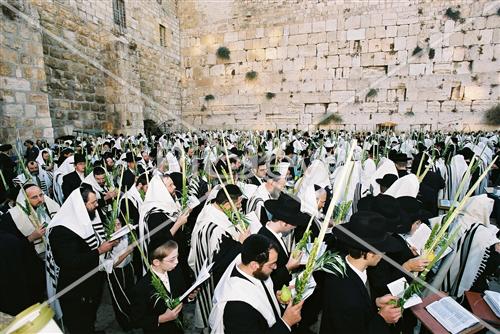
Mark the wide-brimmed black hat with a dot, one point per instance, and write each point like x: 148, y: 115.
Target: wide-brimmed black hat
x: 287, y: 209
x: 234, y: 150
x: 129, y: 157
x: 400, y: 157
x: 5, y: 147
x: 79, y: 158
x: 371, y: 228
x: 387, y: 180
x: 414, y: 209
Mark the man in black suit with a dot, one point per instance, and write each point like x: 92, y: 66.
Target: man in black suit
x: 72, y: 180
x: 245, y: 301
x: 348, y: 306
x: 76, y: 245
x: 286, y: 215
x: 31, y: 150
x: 130, y: 173
x: 260, y: 172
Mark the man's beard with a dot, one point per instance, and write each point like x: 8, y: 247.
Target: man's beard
x: 92, y: 214
x: 258, y: 274
x: 35, y: 173
x: 275, y: 193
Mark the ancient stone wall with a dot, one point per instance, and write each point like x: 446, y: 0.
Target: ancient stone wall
x: 24, y: 106
x: 406, y: 62
x: 99, y: 75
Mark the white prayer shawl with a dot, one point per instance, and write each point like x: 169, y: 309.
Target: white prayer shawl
x: 308, y: 201
x: 317, y: 173
x: 408, y: 185
x: 456, y: 171
x: 90, y: 180
x: 173, y: 164
x: 66, y: 167
x: 74, y: 216
x: 369, y: 169
x: 238, y: 289
x: 158, y: 199
x: 206, y: 237
x: 23, y: 223
x: 257, y: 200
x: 386, y: 166
x: 470, y: 252
x: 134, y: 196
x: 440, y: 167
x: 39, y: 158
x: 351, y: 185
x: 44, y: 177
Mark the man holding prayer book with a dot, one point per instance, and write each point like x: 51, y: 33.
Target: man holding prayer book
x: 348, y: 306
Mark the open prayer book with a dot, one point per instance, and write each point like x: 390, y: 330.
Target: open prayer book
x: 451, y: 315
x: 203, y: 275
x: 492, y: 298
x: 397, y: 289
x: 419, y: 238
x: 122, y: 232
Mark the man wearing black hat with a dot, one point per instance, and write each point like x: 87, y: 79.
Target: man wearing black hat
x: 348, y: 306
x: 285, y: 216
x: 132, y: 169
x: 401, y: 161
x: 73, y: 180
x: 369, y: 202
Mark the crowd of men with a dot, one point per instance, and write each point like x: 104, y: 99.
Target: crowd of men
x: 241, y: 200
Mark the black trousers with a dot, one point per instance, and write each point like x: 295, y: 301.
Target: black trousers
x: 121, y: 281
x: 79, y: 314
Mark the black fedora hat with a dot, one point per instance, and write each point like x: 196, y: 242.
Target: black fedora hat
x: 400, y: 157
x: 79, y: 158
x: 287, y: 209
x: 414, y: 209
x: 387, y: 180
x: 129, y: 157
x: 5, y: 147
x: 371, y: 228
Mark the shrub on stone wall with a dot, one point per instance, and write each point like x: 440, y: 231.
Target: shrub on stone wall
x: 209, y: 97
x: 270, y: 95
x: 453, y: 14
x: 371, y: 93
x: 331, y: 118
x: 251, y: 75
x: 223, y: 53
x: 492, y: 115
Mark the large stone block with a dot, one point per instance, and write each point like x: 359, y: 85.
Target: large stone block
x: 356, y: 34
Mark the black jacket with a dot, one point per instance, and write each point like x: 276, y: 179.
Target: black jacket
x: 145, y: 309
x: 241, y: 318
x: 128, y: 180
x: 75, y: 259
x: 254, y: 180
x: 347, y: 307
x: 280, y: 275
x: 71, y: 181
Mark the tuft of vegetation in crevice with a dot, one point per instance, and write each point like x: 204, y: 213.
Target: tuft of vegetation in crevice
x: 251, y: 75
x: 209, y: 97
x: 223, y: 53
x: 452, y: 14
x: 492, y: 115
x: 331, y: 118
x: 270, y: 95
x: 417, y: 51
x: 371, y: 93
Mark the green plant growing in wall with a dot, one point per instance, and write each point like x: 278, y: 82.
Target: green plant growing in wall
x: 371, y: 93
x: 331, y: 118
x: 452, y: 14
x: 409, y: 113
x: 223, y: 53
x: 251, y: 75
x: 492, y: 115
x: 203, y: 108
x: 270, y: 95
x: 209, y: 97
x: 432, y: 53
x: 417, y: 51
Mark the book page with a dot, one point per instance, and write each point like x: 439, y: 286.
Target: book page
x: 203, y: 275
x: 451, y: 315
x: 419, y: 238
